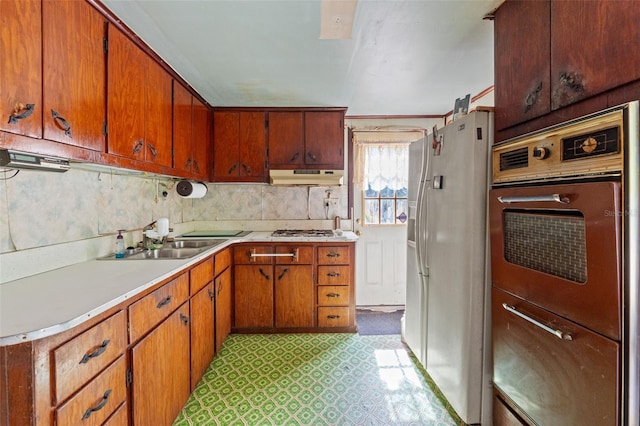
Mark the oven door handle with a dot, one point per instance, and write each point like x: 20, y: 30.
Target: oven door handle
x: 558, y: 333
x: 554, y: 198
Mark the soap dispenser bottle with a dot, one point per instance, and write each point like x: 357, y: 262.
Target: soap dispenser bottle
x: 119, y: 245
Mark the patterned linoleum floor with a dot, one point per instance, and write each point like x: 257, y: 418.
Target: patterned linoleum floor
x: 315, y: 379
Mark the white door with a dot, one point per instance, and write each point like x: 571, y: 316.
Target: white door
x: 381, y: 260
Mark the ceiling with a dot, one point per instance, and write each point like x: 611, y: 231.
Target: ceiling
x: 404, y: 57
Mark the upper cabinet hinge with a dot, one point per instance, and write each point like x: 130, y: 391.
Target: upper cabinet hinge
x: 129, y: 378
x: 105, y: 129
x: 105, y: 45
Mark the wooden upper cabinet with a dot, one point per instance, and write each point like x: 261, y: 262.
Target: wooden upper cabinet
x: 593, y: 44
x: 201, y: 140
x: 139, y: 110
x: 306, y: 139
x: 286, y: 139
x: 74, y: 77
x: 324, y: 139
x: 191, y: 139
x: 239, y: 146
x: 182, y: 127
x: 550, y: 54
x: 21, y: 67
x: 522, y: 62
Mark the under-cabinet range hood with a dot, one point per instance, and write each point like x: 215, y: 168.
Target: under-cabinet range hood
x: 22, y: 160
x: 306, y: 177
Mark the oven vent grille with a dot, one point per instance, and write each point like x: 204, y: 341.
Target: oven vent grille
x: 516, y: 159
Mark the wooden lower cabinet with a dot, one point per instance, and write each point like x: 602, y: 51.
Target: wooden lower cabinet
x: 161, y: 371
x: 202, y: 332
x: 253, y: 296
x: 294, y: 298
x: 223, y: 311
x: 294, y: 287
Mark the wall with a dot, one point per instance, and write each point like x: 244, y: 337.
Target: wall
x: 49, y: 220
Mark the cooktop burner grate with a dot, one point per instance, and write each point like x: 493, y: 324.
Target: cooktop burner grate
x: 302, y: 233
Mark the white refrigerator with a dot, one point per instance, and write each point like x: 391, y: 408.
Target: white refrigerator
x: 447, y: 311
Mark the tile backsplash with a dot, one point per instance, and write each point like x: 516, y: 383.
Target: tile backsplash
x: 74, y: 216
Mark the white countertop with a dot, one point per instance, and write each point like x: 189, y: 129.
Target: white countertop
x: 49, y: 303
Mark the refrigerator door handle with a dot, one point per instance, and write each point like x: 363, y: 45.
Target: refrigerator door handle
x: 421, y: 216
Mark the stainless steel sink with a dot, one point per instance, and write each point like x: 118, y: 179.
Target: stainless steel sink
x: 190, y: 244
x: 169, y: 250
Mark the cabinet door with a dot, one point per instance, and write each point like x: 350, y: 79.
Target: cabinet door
x: 201, y: 140
x: 591, y: 46
x: 160, y: 364
x: 226, y: 150
x: 286, y: 139
x: 223, y: 307
x: 253, y: 296
x: 21, y: 82
x: 125, y: 96
x: 294, y: 295
x: 182, y: 128
x: 158, y: 114
x: 74, y: 73
x: 324, y: 139
x: 522, y: 61
x: 202, y: 332
x: 253, y: 146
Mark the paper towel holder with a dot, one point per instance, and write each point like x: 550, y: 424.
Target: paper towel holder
x: 187, y: 189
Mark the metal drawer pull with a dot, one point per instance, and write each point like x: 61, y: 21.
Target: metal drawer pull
x: 273, y: 254
x: 554, y: 198
x: 333, y: 254
x: 333, y: 274
x: 332, y: 295
x: 558, y: 333
x: 95, y: 353
x: 333, y: 316
x: 100, y: 406
x: 163, y: 302
x: 266, y: 276
x: 284, y: 272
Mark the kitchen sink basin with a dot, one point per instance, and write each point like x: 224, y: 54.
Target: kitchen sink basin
x: 190, y: 244
x: 169, y: 250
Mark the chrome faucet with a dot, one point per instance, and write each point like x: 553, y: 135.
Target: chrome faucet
x: 146, y: 240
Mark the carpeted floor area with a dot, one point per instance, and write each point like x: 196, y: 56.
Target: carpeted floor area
x: 375, y: 322
x: 315, y: 379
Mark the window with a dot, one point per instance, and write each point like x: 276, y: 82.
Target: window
x: 383, y: 176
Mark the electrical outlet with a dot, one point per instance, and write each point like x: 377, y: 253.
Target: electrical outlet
x: 331, y: 202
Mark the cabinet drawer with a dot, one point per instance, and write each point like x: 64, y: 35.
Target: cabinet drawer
x: 154, y: 307
x: 333, y: 317
x: 334, y: 275
x: 333, y: 295
x: 84, y: 356
x: 302, y: 255
x: 333, y: 255
x: 243, y: 254
x: 223, y: 261
x: 118, y: 418
x: 96, y: 401
x: 201, y: 275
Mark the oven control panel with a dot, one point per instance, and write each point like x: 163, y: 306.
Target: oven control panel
x: 589, y: 147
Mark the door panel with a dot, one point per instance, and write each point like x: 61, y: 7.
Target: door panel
x: 21, y: 82
x: 253, y: 296
x: 74, y: 73
x: 566, y: 381
x: 294, y: 296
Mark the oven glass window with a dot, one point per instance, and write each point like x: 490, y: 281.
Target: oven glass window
x: 548, y: 242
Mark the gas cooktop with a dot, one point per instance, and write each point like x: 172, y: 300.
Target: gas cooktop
x: 307, y: 233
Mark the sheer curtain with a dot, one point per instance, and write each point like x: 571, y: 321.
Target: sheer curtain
x: 381, y: 157
x: 381, y: 165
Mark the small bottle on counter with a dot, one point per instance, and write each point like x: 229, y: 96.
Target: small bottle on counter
x: 119, y: 245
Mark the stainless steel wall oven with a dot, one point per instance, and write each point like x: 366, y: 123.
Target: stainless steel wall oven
x: 560, y: 283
